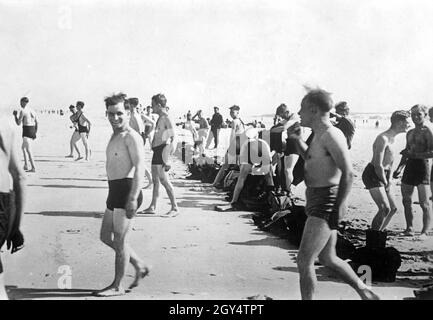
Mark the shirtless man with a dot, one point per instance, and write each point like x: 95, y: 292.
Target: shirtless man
x: 125, y: 159
x: 232, y: 154
x: 83, y: 129
x: 203, y: 130
x: 163, y: 144
x: 377, y: 173
x: 149, y: 121
x: 10, y: 214
x: 137, y: 124
x: 417, y: 163
x: 75, y: 135
x: 328, y: 177
x: 28, y: 119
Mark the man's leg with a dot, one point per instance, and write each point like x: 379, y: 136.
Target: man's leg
x: 209, y: 139
x: 155, y: 192
x: 314, y: 238
x: 379, y: 197
x: 162, y: 174
x: 83, y: 136
x: 221, y: 172
x: 149, y: 177
x: 392, y: 211
x: 289, y: 164
x: 3, y: 294
x: 424, y: 195
x: 328, y: 257
x: 216, y: 137
x: 407, y: 192
x: 244, y: 171
x: 24, y: 148
x: 28, y: 146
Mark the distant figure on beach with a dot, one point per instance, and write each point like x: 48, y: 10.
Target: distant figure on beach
x: 377, y: 173
x: 344, y: 122
x: 83, y: 129
x: 328, y: 177
x: 27, y: 117
x: 215, y: 126
x: 377, y: 124
x: 163, y: 144
x: 149, y: 120
x: 75, y: 134
x: 190, y: 126
x: 12, y: 196
x: 417, y: 169
x: 232, y: 155
x: 125, y: 165
x: 203, y: 130
x: 284, y: 147
x: 137, y: 124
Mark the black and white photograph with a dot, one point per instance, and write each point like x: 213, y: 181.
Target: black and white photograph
x: 216, y: 150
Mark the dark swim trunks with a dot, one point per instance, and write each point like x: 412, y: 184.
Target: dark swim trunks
x: 157, y: 154
x: 29, y: 132
x: 118, y: 193
x: 320, y: 203
x: 416, y: 172
x: 290, y: 147
x: 5, y: 207
x: 370, y: 178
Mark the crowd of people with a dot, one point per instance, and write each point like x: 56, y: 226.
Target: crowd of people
x: 323, y: 159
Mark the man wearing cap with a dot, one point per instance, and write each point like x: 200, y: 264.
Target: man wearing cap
x: 343, y: 122
x: 215, y: 126
x: 232, y: 155
x: 27, y: 117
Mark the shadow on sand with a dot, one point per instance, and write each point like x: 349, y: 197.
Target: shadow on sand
x: 94, y: 214
x: 16, y: 293
x: 66, y: 186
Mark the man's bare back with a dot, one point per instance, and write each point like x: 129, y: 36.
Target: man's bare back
x: 384, y: 140
x: 27, y: 117
x: 320, y: 168
x: 163, y: 131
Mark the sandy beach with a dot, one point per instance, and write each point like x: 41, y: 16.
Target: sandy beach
x: 200, y: 254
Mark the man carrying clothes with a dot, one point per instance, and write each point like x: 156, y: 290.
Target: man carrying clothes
x: 125, y: 160
x: 377, y: 173
x: 83, y: 129
x: 215, y: 125
x: 163, y: 144
x: 343, y: 122
x: 202, y: 131
x: 11, y: 201
x: 328, y: 177
x: 28, y: 119
x: 417, y: 173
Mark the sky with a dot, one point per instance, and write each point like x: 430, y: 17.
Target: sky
x: 376, y: 55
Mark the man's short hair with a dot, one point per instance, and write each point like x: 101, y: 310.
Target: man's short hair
x: 80, y: 104
x: 319, y: 98
x: 235, y: 107
x: 216, y: 108
x: 399, y: 115
x: 115, y: 99
x: 420, y: 107
x: 281, y: 110
x: 71, y: 107
x: 133, y: 102
x: 342, y: 107
x: 25, y: 99
x: 160, y: 99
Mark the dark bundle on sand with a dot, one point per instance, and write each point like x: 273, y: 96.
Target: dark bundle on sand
x: 205, y: 170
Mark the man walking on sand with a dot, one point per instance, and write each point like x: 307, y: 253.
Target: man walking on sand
x: 163, y: 144
x: 328, y: 177
x: 84, y: 125
x: 27, y: 117
x: 215, y: 126
x: 11, y: 201
x: 125, y: 163
x: 377, y: 173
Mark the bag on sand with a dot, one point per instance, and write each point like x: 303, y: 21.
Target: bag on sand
x: 384, y: 262
x: 278, y: 201
x: 208, y: 172
x: 251, y: 195
x: 229, y: 179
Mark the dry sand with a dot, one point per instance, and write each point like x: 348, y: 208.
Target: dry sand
x: 201, y: 254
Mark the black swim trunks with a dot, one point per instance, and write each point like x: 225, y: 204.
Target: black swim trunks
x: 157, y: 154
x: 416, y: 172
x: 118, y: 193
x: 5, y: 207
x: 370, y: 178
x: 29, y: 132
x: 291, y: 147
x: 320, y: 203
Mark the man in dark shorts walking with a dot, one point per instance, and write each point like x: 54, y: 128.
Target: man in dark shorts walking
x: 417, y: 169
x: 328, y: 177
x: 377, y: 173
x: 125, y: 172
x: 11, y: 201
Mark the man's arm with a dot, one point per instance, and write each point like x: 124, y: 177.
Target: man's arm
x: 294, y: 132
x: 18, y: 119
x: 403, y: 160
x: 136, y: 152
x: 378, y: 154
x: 335, y: 144
x: 86, y: 120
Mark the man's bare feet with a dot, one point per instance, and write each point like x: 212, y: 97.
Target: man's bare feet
x: 32, y: 170
x: 69, y: 156
x: 408, y: 233
x: 367, y: 294
x: 26, y: 168
x: 150, y: 210
x: 172, y: 213
x: 110, y: 291
x: 422, y: 237
x: 79, y: 158
x: 139, y: 274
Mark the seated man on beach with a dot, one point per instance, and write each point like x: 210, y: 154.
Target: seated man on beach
x: 75, y: 135
x: 377, y: 173
x: 83, y: 129
x: 11, y: 201
x: 284, y: 147
x: 232, y: 154
x: 163, y: 144
x: 417, y: 169
x: 28, y: 119
x: 255, y: 159
x: 125, y: 164
x: 328, y: 177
